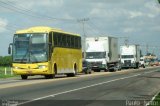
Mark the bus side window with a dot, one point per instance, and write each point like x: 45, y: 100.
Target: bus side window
x: 50, y: 37
x: 79, y: 42
x: 50, y: 44
x: 72, y: 41
x: 67, y: 41
x: 76, y: 42
x: 63, y: 40
x: 55, y: 38
x: 59, y: 39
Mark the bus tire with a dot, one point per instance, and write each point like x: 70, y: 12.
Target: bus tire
x: 24, y: 77
x: 55, y: 68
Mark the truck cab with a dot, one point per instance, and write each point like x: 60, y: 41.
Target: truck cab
x: 130, y: 56
x: 102, y: 53
x: 142, y: 62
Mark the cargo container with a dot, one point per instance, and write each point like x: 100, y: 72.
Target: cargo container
x: 102, y: 53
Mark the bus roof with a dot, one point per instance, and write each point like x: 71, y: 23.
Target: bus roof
x: 42, y: 29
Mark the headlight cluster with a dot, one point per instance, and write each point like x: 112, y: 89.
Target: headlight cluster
x: 39, y: 67
x: 42, y: 66
x: 16, y: 67
x: 103, y: 62
x: 133, y: 61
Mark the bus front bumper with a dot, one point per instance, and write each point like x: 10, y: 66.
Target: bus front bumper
x: 30, y: 71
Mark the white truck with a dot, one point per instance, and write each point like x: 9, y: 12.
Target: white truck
x: 102, y: 53
x: 130, y: 56
x: 142, y: 62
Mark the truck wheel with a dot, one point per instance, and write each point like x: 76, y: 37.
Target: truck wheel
x: 24, y: 77
x: 106, y: 70
x: 111, y: 70
x: 143, y: 66
x: 97, y: 70
x: 89, y: 71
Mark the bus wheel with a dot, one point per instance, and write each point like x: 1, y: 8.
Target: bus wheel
x: 24, y: 77
x: 75, y: 69
x: 55, y: 69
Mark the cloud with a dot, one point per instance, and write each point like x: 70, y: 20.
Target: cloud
x: 33, y: 5
x: 134, y: 14
x: 129, y: 30
x: 152, y: 8
x: 3, y: 25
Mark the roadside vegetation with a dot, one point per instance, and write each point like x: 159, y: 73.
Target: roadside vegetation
x: 5, y: 67
x: 156, y: 101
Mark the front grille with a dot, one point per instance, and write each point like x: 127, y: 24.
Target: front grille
x: 127, y: 62
x: 96, y: 63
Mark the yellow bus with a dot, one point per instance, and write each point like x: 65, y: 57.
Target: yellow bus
x: 46, y: 51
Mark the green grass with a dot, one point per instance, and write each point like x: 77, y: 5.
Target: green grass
x: 8, y: 72
x: 156, y: 101
x: 7, y: 76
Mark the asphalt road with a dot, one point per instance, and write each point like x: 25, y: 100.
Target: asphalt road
x: 125, y: 88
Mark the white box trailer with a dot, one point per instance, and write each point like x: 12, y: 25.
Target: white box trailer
x: 130, y: 56
x: 102, y: 53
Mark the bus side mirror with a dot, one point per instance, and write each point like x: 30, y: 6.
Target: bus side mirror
x: 9, y: 48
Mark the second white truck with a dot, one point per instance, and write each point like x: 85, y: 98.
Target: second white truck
x: 130, y: 56
x: 102, y: 53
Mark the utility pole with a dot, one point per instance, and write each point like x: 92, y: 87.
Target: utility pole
x: 83, y: 21
x: 126, y: 39
x: 147, y: 49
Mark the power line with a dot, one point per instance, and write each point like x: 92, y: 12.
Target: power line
x: 83, y: 21
x: 30, y: 13
x: 95, y: 27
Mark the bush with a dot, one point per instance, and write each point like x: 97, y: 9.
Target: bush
x: 5, y: 61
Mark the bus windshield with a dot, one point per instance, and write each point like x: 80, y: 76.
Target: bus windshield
x: 97, y: 55
x: 30, y: 48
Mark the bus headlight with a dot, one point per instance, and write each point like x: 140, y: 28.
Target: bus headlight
x: 41, y: 66
x: 16, y: 67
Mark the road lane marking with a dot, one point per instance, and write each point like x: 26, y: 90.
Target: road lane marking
x: 56, y: 94
x: 105, y: 82
x: 30, y: 82
x: 152, y: 99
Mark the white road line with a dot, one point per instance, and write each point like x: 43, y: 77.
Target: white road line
x: 152, y: 99
x: 53, y: 95
x: 105, y: 82
x: 151, y: 71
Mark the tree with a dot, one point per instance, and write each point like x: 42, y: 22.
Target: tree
x: 158, y: 1
x: 1, y: 60
x: 5, y: 61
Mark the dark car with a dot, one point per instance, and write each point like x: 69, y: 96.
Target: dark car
x: 86, y: 67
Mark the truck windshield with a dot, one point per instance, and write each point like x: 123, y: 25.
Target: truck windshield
x: 30, y: 47
x: 97, y: 55
x: 127, y: 56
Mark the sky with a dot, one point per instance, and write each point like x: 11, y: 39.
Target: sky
x: 135, y: 20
